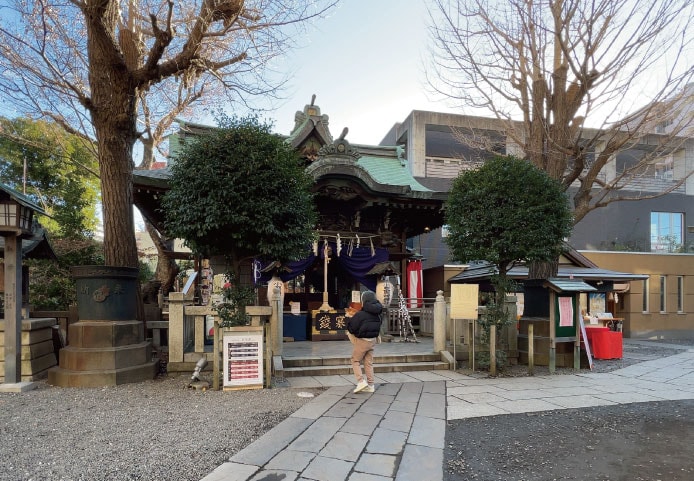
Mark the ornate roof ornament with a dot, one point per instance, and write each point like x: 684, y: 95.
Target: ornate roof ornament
x: 340, y: 148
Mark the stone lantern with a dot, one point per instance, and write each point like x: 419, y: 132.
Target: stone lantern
x: 16, y: 217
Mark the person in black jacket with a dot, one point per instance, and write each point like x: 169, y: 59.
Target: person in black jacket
x: 364, y: 327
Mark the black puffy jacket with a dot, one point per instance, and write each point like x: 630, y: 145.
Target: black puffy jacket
x: 367, y: 322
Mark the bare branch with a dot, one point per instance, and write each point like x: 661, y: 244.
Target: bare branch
x: 547, y: 70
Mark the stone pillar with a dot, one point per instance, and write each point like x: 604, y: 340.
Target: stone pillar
x: 439, y: 322
x: 176, y: 302
x: 13, y: 309
x: 276, y: 320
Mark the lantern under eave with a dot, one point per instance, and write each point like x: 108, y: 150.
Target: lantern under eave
x: 15, y: 217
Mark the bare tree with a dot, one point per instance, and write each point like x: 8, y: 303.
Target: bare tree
x: 547, y: 69
x: 121, y: 71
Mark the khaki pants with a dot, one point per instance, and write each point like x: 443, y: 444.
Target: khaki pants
x: 363, y: 350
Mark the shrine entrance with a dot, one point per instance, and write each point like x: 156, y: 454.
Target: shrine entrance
x: 369, y: 204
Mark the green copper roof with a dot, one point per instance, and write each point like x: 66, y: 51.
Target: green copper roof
x: 390, y: 171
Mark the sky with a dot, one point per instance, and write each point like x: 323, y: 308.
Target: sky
x: 365, y: 65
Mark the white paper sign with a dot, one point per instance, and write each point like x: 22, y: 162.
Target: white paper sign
x: 243, y: 358
x: 464, y: 301
x: 566, y: 311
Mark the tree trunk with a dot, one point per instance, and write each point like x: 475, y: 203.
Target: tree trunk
x: 543, y: 269
x: 113, y: 110
x: 166, y: 269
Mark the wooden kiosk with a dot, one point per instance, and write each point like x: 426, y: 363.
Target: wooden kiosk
x: 565, y: 320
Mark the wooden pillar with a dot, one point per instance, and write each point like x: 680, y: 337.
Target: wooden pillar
x: 13, y: 309
x: 531, y: 349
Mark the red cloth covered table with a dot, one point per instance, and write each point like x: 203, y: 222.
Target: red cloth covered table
x: 605, y: 344
x: 590, y: 330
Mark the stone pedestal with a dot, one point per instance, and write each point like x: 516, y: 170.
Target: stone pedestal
x: 107, y: 346
x: 37, y: 349
x: 104, y: 353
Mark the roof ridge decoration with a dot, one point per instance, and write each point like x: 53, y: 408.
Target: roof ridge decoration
x: 340, y: 148
x: 307, y: 123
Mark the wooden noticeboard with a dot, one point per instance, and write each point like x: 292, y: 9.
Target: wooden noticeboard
x: 565, y: 308
x: 243, y: 357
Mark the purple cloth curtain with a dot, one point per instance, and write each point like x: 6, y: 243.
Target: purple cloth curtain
x: 357, y: 264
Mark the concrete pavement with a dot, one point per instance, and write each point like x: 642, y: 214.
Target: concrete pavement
x: 398, y: 432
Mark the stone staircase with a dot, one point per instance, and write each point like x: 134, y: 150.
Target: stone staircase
x: 341, y: 365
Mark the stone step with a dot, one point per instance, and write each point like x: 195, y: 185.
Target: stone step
x: 57, y: 376
x: 346, y: 369
x: 316, y: 361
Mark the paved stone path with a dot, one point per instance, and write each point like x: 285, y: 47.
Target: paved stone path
x: 398, y: 432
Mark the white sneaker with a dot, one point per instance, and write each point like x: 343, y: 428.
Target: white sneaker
x: 369, y: 388
x: 361, y: 386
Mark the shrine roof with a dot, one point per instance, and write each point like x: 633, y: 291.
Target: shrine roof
x: 390, y: 171
x: 157, y: 178
x: 36, y: 246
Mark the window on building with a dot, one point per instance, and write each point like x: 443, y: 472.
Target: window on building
x: 645, y: 295
x: 663, y: 294
x: 680, y: 294
x: 666, y: 231
x: 664, y: 168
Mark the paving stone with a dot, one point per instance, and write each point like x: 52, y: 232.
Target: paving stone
x: 390, y: 389
x: 421, y: 463
x: 397, y: 421
x: 428, y: 432
x: 404, y: 406
x: 463, y: 410
x: 427, y: 376
x: 380, y: 464
x: 274, y: 475
x: 362, y: 423
x: 267, y: 446
x: 627, y: 397
x: 372, y: 406
x: 344, y: 409
x: 368, y: 477
x: 386, y: 441
x: 231, y: 472
x: 434, y: 387
x: 432, y: 406
x: 379, y: 397
x: 527, y: 405
x: 460, y: 391
x: 395, y: 377
x: 327, y: 469
x: 345, y: 446
x: 290, y: 460
x: 583, y: 401
x: 480, y: 398
x: 317, y: 435
x: 317, y: 407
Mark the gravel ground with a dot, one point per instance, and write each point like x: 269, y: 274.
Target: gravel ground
x: 155, y: 430
x: 633, y: 442
x: 162, y: 430
x: 633, y: 353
